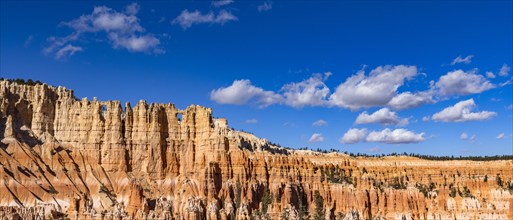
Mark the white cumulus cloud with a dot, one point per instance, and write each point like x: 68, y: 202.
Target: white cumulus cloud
x: 353, y: 135
x: 122, y: 30
x: 242, y: 92
x: 387, y: 136
x: 397, y: 136
x: 501, y: 136
x: 462, y: 112
x: 383, y: 116
x: 459, y: 82
x: 407, y: 100
x: 316, y: 137
x: 309, y: 92
x: 376, y: 89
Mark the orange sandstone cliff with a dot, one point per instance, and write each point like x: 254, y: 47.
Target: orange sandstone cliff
x: 61, y: 157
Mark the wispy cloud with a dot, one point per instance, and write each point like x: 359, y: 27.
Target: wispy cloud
x: 132, y: 9
x: 504, y: 70
x: 122, y: 30
x: 188, y: 18
x: 289, y: 124
x: 219, y: 3
x: 375, y: 149
x: 465, y: 60
x: 28, y: 41
x: 320, y: 123
x: 466, y: 137
x: 66, y: 51
x: 251, y: 121
x: 266, y: 6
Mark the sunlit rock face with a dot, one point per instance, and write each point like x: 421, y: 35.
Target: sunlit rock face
x: 82, y: 159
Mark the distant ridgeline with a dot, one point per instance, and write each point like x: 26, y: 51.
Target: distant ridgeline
x: 426, y: 157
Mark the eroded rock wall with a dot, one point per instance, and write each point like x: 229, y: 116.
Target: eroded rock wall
x: 61, y: 156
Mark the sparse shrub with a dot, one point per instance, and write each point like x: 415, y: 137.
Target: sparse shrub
x: 422, y: 188
x: 396, y: 184
x: 267, y: 199
x: 319, y: 206
x: 465, y: 192
x: 498, y: 180
x: 509, y: 186
x: 303, y: 213
x: 452, y: 191
x: 103, y: 189
x: 238, y: 191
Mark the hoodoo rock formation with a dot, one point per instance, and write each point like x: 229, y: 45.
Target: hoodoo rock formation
x: 81, y: 159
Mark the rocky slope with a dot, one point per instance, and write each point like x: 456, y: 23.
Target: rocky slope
x: 81, y: 159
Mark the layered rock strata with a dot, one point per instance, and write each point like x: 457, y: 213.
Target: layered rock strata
x: 82, y: 159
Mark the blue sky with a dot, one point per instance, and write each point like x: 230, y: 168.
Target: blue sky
x: 418, y: 77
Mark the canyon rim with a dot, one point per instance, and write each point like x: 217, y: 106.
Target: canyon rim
x: 62, y: 157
